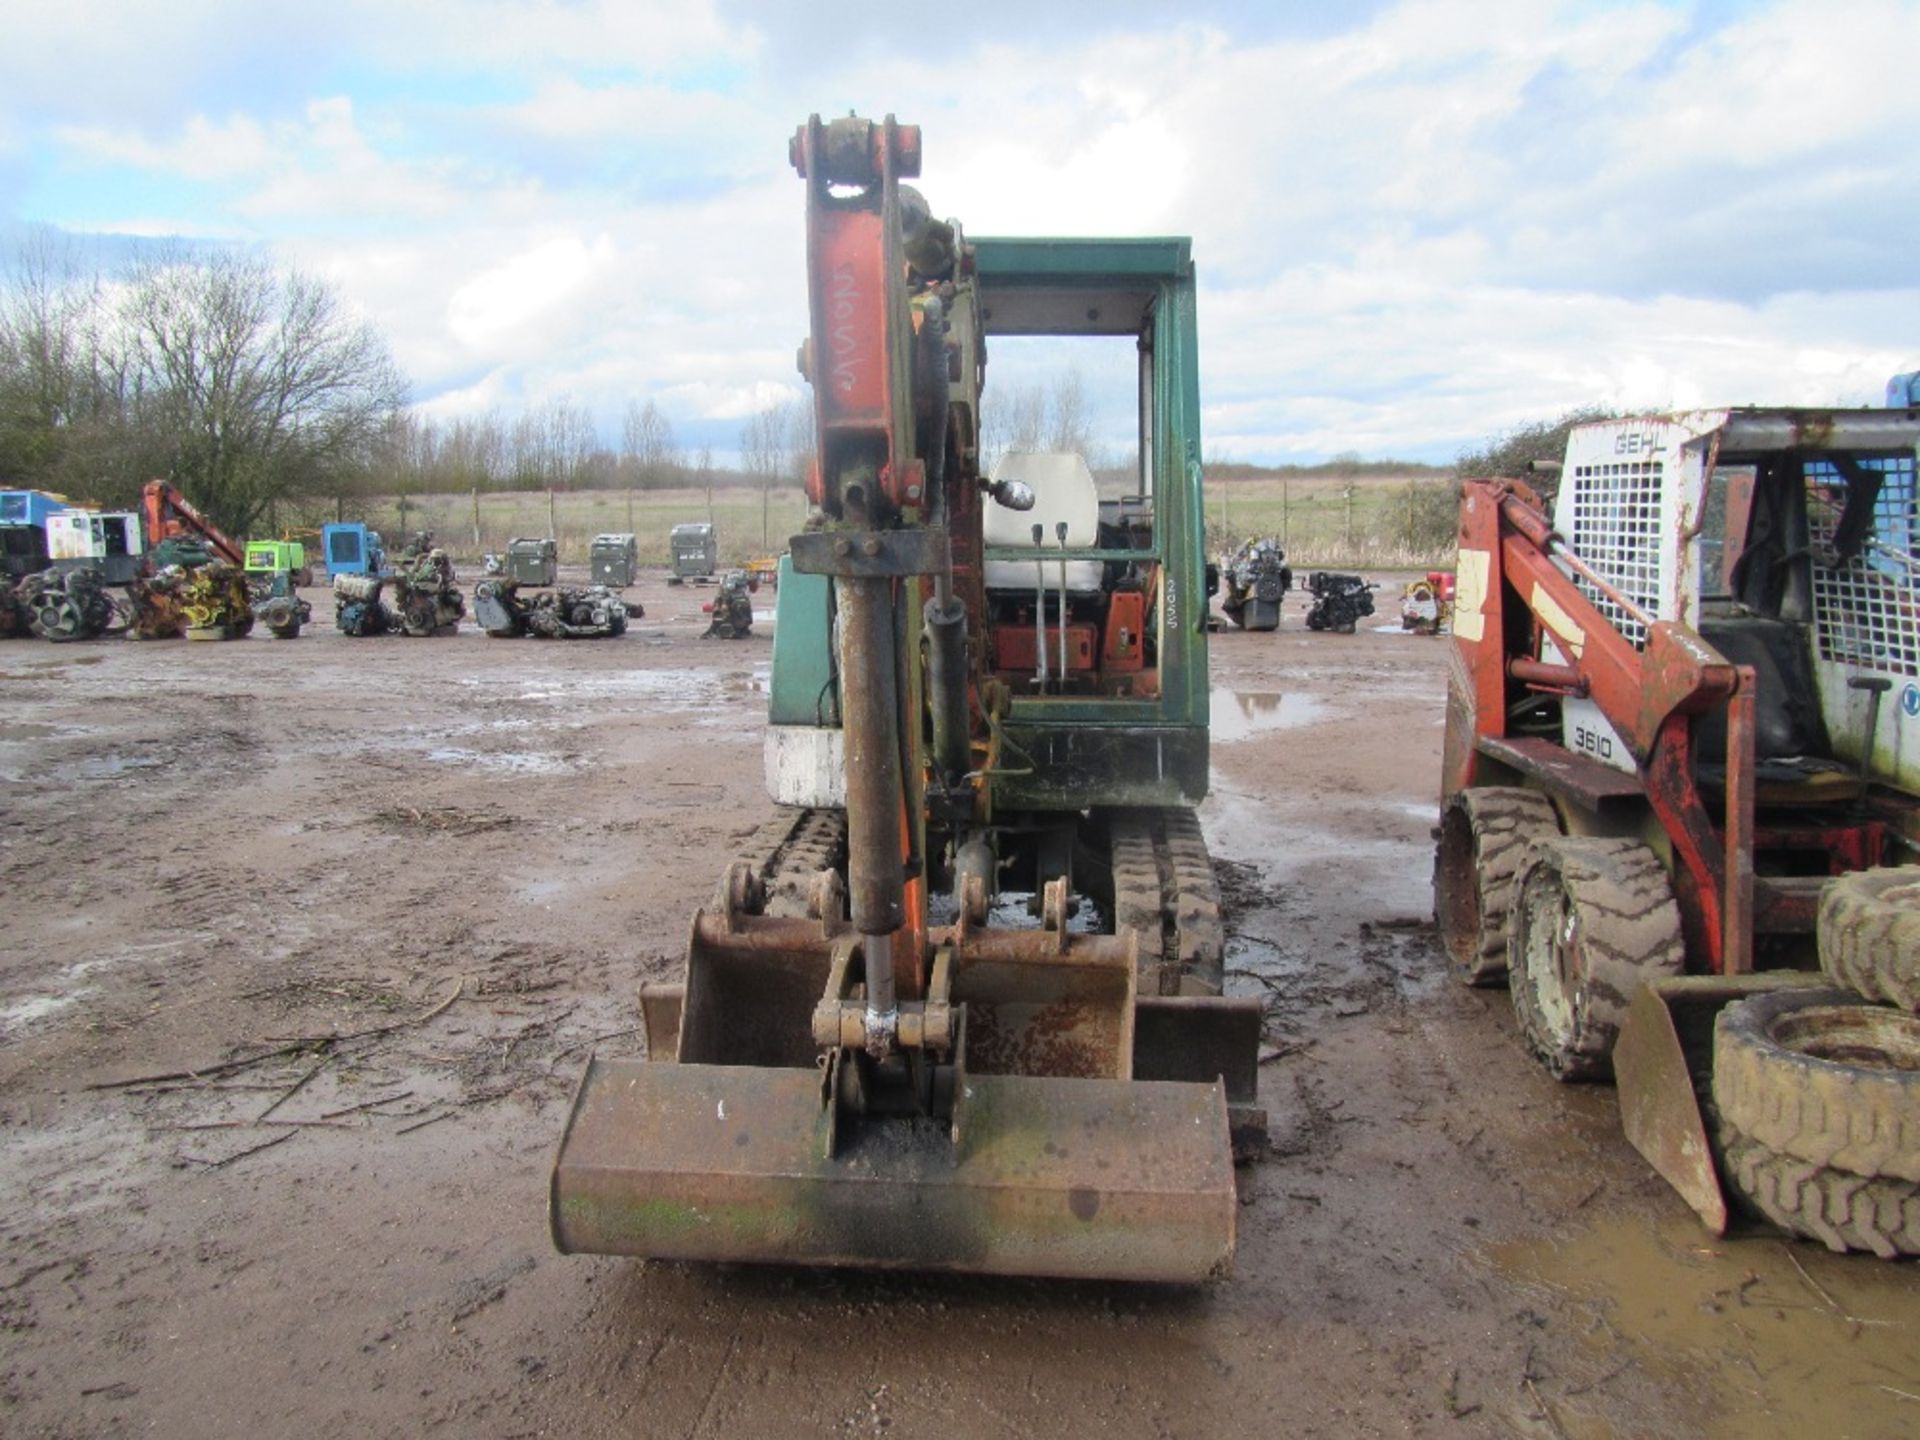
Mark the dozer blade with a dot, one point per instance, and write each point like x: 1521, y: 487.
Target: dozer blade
x: 1666, y: 1042
x: 1093, y: 1179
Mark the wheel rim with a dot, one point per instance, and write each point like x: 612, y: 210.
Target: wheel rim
x: 1549, y: 945
x: 1864, y: 1037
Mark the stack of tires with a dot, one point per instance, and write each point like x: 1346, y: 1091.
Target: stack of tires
x: 1816, y: 1092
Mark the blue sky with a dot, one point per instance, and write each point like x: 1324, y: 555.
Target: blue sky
x: 1415, y: 224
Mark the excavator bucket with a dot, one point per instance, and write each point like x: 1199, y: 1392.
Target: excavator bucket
x: 1663, y: 1062
x: 734, y: 1150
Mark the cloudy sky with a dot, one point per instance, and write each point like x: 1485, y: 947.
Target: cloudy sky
x: 1415, y: 223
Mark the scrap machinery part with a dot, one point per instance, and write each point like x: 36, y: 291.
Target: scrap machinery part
x: 590, y: 612
x: 1340, y: 602
x: 16, y: 618
x: 278, y: 606
x: 68, y: 605
x: 424, y: 598
x: 214, y: 603
x: 154, y: 601
x: 1426, y: 605
x: 357, y: 605
x: 731, y: 608
x: 1257, y: 578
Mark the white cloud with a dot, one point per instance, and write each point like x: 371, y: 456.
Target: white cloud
x: 530, y: 293
x: 1411, y: 229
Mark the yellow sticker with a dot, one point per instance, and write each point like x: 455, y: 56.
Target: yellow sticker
x: 1558, y: 621
x: 1470, y: 594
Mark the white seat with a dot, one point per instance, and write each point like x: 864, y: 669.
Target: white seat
x: 1063, y: 489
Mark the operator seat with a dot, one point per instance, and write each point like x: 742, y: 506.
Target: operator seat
x: 1063, y: 489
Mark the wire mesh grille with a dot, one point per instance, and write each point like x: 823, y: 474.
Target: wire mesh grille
x: 1864, y: 609
x: 1616, y: 530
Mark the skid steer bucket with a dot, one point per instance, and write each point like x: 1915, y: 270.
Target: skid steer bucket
x: 1663, y: 1062
x: 1051, y: 1162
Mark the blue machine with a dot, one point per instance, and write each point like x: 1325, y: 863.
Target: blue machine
x: 352, y: 550
x: 28, y: 507
x: 1903, y: 391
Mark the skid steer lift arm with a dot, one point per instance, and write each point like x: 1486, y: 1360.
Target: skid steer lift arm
x: 863, y: 1087
x: 1518, y: 583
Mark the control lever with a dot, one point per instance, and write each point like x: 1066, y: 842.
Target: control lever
x: 1040, y: 604
x: 1875, y: 686
x: 1060, y: 529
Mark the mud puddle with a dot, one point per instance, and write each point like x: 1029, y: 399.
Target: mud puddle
x: 1241, y: 714
x: 1777, y: 1338
x: 506, y: 762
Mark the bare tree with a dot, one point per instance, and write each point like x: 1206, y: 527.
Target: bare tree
x: 647, y: 446
x: 763, y: 453
x: 552, y: 446
x: 255, y: 383
x: 59, y: 384
x: 1068, y: 426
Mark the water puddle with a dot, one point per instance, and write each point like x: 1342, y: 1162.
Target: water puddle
x: 669, y: 690
x: 29, y: 1011
x: 1773, y: 1337
x: 506, y: 762
x: 1241, y: 714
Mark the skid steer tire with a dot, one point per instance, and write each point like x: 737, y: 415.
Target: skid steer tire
x: 1483, y: 834
x: 1869, y: 933
x: 1841, y: 1210
x: 1592, y: 920
x: 1820, y: 1076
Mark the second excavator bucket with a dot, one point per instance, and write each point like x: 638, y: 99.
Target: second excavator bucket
x: 1049, y: 1161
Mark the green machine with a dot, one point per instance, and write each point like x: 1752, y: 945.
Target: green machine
x: 269, y: 558
x: 960, y: 1004
x: 1123, y: 722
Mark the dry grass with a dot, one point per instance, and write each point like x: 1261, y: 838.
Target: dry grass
x: 1365, y: 521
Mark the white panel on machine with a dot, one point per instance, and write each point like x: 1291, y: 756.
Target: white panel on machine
x: 1063, y: 489
x: 1631, y: 496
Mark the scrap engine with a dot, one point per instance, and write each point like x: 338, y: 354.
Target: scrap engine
x: 1339, y: 601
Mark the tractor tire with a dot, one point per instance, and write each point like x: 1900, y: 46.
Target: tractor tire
x: 1869, y: 932
x: 1591, y: 921
x: 1483, y: 834
x: 1820, y: 1076
x: 1842, y: 1210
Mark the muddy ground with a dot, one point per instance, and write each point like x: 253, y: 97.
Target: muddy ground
x: 452, y: 861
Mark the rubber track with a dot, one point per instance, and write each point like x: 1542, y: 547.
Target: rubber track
x: 791, y: 848
x: 1628, y: 928
x: 1164, y: 888
x: 1869, y: 931
x: 1842, y: 1210
x: 1503, y: 821
x: 1855, y: 1118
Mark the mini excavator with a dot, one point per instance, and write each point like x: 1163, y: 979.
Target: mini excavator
x: 961, y: 1009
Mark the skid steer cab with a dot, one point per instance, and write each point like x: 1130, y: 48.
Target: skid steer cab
x: 960, y: 1006
x: 1679, y: 812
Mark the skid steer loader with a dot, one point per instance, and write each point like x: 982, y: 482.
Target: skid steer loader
x: 1681, y: 766
x: 985, y: 688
